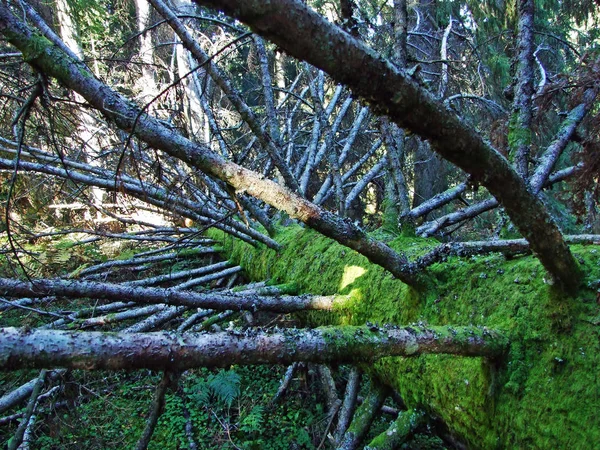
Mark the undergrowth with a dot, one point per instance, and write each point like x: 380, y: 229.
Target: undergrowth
x: 228, y: 409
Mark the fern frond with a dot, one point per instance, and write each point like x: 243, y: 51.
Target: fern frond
x: 225, y: 385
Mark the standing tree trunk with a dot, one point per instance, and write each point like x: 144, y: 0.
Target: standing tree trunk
x: 520, y: 134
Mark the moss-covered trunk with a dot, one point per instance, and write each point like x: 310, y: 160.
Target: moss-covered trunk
x: 546, y: 392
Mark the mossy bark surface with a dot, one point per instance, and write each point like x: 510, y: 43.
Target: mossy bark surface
x: 544, y: 394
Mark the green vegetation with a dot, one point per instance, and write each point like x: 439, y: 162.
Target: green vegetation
x: 544, y: 394
x: 228, y: 409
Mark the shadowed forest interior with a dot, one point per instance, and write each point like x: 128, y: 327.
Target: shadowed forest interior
x: 297, y: 224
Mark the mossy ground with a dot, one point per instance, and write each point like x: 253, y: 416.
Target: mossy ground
x: 544, y: 394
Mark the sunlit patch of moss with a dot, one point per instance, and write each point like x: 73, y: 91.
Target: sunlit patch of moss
x: 544, y: 394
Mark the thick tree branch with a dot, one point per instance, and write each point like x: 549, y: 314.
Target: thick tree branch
x: 363, y: 418
x: 398, y: 431
x: 308, y: 36
x: 349, y: 404
x: 563, y: 137
x: 508, y: 247
x: 173, y: 296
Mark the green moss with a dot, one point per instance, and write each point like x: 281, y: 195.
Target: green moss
x: 544, y: 394
x: 38, y: 49
x: 518, y: 135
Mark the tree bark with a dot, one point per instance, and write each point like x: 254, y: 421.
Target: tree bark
x: 398, y: 431
x: 172, y: 296
x: 24, y: 348
x: 349, y: 404
x: 158, y: 403
x: 520, y: 134
x: 17, y: 439
x: 363, y: 418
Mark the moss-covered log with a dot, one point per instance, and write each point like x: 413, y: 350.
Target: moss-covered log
x: 545, y: 394
x: 398, y: 431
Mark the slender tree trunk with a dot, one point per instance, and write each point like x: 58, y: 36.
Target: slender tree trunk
x: 86, y: 131
x: 147, y: 83
x: 520, y: 133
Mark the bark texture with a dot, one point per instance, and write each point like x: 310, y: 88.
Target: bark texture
x: 173, y: 296
x: 520, y: 135
x: 22, y: 348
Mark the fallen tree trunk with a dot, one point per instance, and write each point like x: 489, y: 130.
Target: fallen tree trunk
x: 21, y: 348
x: 171, y: 296
x: 306, y: 35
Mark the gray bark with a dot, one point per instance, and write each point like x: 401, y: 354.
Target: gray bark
x: 563, y: 137
x: 437, y: 201
x: 151, y: 194
x: 285, y: 383
x: 17, y: 396
x: 158, y: 404
x: 23, y: 348
x: 520, y: 127
x: 205, y: 279
x: 171, y: 296
x: 17, y: 439
x: 508, y: 247
x: 349, y: 403
x: 328, y: 386
x: 363, y: 418
x: 157, y: 320
x: 176, y: 276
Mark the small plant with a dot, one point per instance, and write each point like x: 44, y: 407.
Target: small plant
x: 222, y: 388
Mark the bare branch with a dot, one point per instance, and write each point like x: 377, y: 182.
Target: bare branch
x: 349, y: 404
x: 17, y: 439
x: 158, y: 404
x: 128, y: 117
